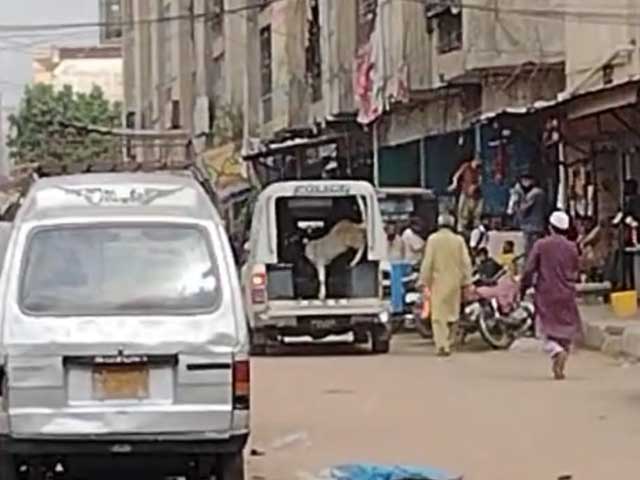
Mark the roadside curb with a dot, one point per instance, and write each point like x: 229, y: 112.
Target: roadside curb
x: 608, y: 334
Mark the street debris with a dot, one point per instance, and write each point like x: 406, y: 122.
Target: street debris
x: 366, y: 471
x: 298, y: 438
x: 256, y: 452
x: 338, y: 391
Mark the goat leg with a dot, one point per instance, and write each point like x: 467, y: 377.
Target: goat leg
x: 358, y: 257
x: 322, y: 278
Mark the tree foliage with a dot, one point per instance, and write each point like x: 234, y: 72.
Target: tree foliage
x: 46, y: 126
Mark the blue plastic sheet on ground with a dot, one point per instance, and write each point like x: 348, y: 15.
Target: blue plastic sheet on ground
x: 363, y: 471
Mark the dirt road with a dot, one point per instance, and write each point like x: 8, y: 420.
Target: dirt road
x: 488, y: 415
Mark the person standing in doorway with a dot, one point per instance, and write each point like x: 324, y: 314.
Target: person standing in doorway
x: 467, y: 182
x: 445, y: 271
x: 394, y: 242
x: 552, y: 269
x: 533, y: 212
x: 412, y: 242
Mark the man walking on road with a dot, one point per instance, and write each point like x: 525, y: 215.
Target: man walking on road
x: 552, y: 268
x: 446, y: 270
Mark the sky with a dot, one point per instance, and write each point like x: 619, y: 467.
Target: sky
x: 15, y: 56
x: 15, y: 60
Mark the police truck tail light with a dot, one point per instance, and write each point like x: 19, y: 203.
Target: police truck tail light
x: 241, y: 385
x: 259, y: 286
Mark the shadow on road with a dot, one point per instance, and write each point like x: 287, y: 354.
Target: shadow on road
x: 318, y: 349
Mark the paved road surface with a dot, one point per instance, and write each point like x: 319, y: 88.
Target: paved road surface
x: 489, y: 415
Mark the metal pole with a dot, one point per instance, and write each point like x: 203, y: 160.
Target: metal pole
x: 561, y: 201
x: 376, y: 156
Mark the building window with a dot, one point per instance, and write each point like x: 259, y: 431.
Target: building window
x: 266, y: 75
x: 313, y: 54
x: 175, y: 115
x: 215, y: 14
x: 449, y: 31
x: 111, y: 14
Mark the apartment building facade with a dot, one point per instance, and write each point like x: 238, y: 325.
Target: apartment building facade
x: 378, y: 74
x: 183, y: 59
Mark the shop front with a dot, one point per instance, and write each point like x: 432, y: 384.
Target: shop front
x: 599, y: 168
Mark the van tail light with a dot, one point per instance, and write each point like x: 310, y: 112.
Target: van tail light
x: 241, y: 384
x: 4, y: 389
x: 259, y: 286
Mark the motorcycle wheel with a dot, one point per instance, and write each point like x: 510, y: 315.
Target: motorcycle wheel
x: 397, y: 324
x: 495, y: 332
x: 423, y: 327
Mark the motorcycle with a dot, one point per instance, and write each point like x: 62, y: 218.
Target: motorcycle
x: 492, y: 308
x: 495, y: 310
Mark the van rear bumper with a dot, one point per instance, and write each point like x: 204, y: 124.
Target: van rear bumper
x: 125, y: 446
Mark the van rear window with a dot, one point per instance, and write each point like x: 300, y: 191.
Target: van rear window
x: 119, y: 270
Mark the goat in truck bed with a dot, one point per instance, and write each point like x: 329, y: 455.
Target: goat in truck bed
x: 321, y: 252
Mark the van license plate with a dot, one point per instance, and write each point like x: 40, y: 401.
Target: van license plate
x: 122, y: 382
x: 323, y: 324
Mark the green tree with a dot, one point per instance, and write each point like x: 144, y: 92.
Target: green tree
x: 47, y: 128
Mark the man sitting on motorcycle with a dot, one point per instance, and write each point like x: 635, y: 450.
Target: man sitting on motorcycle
x: 486, y: 267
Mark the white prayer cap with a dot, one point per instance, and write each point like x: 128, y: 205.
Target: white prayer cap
x: 446, y: 220
x: 560, y: 220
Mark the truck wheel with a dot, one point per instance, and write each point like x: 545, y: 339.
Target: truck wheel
x: 7, y: 468
x: 380, y: 340
x: 230, y: 467
x: 360, y: 337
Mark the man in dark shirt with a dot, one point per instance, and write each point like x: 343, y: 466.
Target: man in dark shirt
x: 486, y: 267
x: 533, y: 212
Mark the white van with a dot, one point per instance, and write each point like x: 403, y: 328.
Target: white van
x: 316, y: 255
x: 123, y: 335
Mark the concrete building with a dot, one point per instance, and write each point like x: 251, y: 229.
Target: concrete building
x: 598, y: 140
x: 410, y: 85
x: 370, y: 77
x: 187, y: 72
x: 81, y: 68
x: 179, y: 71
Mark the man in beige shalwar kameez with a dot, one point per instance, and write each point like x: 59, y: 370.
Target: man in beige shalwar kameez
x: 446, y: 270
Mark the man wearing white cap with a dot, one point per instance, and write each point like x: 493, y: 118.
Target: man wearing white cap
x: 552, y: 269
x: 445, y: 271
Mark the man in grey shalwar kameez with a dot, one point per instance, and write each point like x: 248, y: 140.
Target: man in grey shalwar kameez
x: 552, y: 268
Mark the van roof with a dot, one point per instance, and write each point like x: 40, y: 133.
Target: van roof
x: 116, y: 194
x: 310, y: 188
